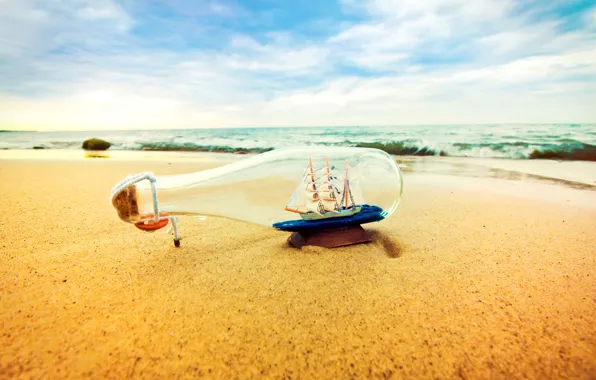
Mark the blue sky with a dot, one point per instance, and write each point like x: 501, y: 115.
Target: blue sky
x: 107, y: 64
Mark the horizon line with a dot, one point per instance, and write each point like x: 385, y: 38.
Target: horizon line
x: 297, y: 126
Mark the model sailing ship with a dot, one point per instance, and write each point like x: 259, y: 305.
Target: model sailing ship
x: 324, y: 206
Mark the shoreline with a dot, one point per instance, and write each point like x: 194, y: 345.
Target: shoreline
x: 74, y: 153
x: 579, y: 174
x: 572, y: 183
x: 112, y: 155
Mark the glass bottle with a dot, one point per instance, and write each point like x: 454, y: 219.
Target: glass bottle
x: 291, y: 189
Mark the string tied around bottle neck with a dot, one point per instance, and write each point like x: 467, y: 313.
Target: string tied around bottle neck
x: 158, y: 221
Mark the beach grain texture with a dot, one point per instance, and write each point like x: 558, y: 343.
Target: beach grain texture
x: 457, y: 284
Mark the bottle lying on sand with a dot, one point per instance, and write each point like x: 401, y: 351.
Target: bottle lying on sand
x: 290, y: 189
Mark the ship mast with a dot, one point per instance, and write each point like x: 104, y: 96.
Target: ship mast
x: 328, y: 170
x: 312, y: 172
x: 330, y: 186
x: 347, y: 196
x: 346, y: 187
x: 312, y: 188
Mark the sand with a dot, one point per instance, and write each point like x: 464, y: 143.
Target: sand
x: 459, y: 282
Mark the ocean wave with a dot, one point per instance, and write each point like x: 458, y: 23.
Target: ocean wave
x: 498, y: 141
x: 344, y: 133
x: 496, y: 146
x: 191, y: 147
x: 400, y: 148
x: 567, y: 151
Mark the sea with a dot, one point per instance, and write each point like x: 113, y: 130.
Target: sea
x: 513, y: 141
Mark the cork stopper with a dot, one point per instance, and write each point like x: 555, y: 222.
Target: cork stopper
x: 127, y: 205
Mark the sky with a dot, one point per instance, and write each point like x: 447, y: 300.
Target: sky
x: 128, y: 64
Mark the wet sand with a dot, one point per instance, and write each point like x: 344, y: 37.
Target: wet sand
x: 462, y: 281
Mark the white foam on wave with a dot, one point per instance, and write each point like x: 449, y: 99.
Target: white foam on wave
x: 485, y: 141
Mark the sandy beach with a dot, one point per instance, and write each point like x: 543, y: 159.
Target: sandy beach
x: 473, y: 277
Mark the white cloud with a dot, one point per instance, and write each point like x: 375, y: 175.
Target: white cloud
x: 524, y: 38
x: 379, y: 60
x: 248, y: 54
x: 105, y: 11
x: 400, y: 28
x: 219, y: 8
x: 30, y: 27
x: 547, y: 68
x: 506, y: 67
x: 476, y: 9
x: 109, y: 108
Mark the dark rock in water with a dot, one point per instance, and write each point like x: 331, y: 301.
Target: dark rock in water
x: 39, y: 147
x: 96, y: 144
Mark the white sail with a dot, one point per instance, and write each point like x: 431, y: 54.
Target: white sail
x: 312, y: 196
x: 297, y: 201
x: 329, y: 198
x: 292, y: 201
x: 311, y: 191
x: 331, y: 181
x: 327, y: 173
x: 325, y: 195
x: 313, y: 206
x: 329, y: 205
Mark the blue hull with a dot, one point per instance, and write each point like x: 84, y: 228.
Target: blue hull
x: 368, y: 214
